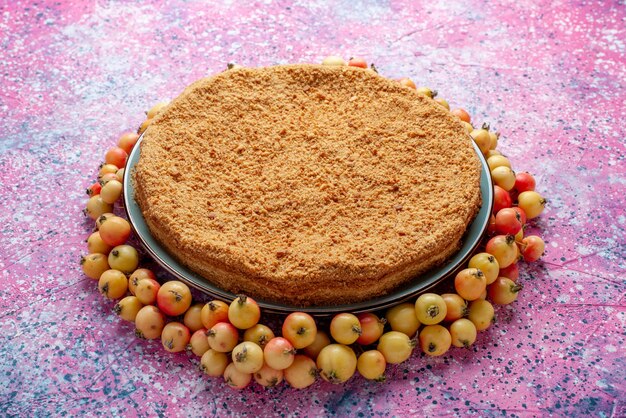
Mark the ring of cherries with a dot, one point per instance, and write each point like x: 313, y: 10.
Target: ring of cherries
x: 229, y: 338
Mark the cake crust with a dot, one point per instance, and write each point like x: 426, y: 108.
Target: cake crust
x: 307, y: 185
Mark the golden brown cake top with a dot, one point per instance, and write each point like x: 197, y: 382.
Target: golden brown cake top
x: 301, y: 172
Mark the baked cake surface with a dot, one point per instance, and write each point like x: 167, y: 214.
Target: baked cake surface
x: 307, y: 184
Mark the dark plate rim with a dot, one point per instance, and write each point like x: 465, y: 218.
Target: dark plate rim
x: 409, y: 291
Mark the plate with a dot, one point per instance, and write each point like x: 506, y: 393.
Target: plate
x: 421, y: 283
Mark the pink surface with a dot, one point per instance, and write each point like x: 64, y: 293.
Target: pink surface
x: 548, y: 75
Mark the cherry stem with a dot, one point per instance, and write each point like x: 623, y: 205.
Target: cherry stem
x: 432, y: 311
x: 332, y: 377
x: 241, y: 356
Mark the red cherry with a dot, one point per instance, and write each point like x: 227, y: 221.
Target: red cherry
x: 116, y: 156
x: 407, y: 82
x: 128, y: 141
x: 503, y: 248
x: 521, y: 214
x: 508, y: 222
x: 512, y: 272
x: 532, y: 248
x: 461, y: 114
x: 357, y: 62
x: 524, y: 182
x: 94, y: 189
x: 501, y: 199
x: 372, y: 328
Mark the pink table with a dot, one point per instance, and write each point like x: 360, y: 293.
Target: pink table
x: 548, y: 75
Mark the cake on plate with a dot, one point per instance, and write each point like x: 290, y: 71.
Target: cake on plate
x: 306, y: 184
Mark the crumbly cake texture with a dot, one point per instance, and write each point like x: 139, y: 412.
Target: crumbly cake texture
x: 305, y: 184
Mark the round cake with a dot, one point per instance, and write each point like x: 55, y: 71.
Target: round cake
x: 306, y: 184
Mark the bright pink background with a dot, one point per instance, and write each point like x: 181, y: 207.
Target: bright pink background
x: 549, y: 75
